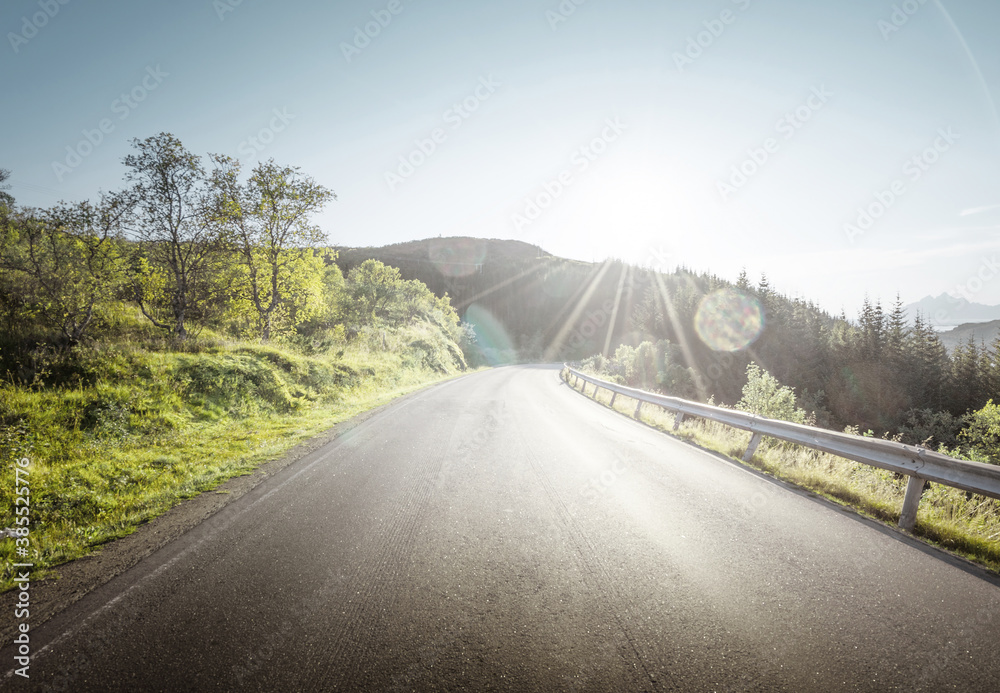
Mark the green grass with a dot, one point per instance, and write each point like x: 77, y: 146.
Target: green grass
x: 118, y: 434
x: 966, y: 524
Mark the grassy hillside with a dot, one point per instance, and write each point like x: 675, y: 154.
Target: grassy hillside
x: 119, y: 431
x: 178, y: 332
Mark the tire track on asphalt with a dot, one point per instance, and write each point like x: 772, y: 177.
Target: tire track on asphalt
x: 595, y: 573
x: 619, y: 596
x: 118, y: 606
x: 370, y: 587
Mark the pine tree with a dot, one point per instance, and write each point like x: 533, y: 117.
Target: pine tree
x: 967, y: 391
x: 987, y: 375
x: 648, y: 313
x: 764, y: 292
x: 991, y: 370
x: 896, y: 335
x: 872, y: 325
x: 928, y: 365
x: 895, y: 358
x: 743, y: 282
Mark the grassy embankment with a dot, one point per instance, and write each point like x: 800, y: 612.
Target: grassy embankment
x: 966, y: 524
x: 118, y: 433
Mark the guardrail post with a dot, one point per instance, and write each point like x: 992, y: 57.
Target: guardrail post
x: 638, y: 406
x: 908, y: 517
x: 678, y: 420
x: 613, y: 395
x: 596, y: 388
x: 752, y: 447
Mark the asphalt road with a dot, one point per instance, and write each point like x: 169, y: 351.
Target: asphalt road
x: 501, y: 532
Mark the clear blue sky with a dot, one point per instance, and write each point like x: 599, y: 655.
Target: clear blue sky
x: 643, y: 124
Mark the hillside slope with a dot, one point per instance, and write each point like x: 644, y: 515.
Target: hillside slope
x: 980, y: 332
x: 527, y: 304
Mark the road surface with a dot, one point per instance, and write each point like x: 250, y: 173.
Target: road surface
x: 501, y: 532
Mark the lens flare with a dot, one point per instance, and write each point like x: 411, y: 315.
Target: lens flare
x: 728, y: 320
x: 492, y: 338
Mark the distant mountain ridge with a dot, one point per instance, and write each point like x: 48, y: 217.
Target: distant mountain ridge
x: 948, y: 311
x: 982, y: 333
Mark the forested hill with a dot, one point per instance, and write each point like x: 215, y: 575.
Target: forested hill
x: 528, y: 304
x: 883, y: 371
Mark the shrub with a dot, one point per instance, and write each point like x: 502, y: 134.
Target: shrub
x: 930, y: 428
x: 765, y: 396
x: 982, y: 432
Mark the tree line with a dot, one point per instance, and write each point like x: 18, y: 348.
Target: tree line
x: 189, y: 247
x: 190, y: 243
x: 879, y: 373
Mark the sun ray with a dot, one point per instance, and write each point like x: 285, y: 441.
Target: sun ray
x: 595, y: 269
x: 680, y: 332
x: 500, y: 285
x: 614, y: 311
x: 589, y: 288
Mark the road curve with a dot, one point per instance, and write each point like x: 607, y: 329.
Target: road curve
x: 501, y: 532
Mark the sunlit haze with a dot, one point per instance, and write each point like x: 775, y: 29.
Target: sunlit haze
x: 841, y: 148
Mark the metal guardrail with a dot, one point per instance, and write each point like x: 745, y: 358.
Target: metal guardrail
x: 917, y: 463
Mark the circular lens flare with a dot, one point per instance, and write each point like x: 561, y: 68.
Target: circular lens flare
x: 728, y: 320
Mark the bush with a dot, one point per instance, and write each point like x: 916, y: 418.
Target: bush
x: 596, y: 364
x: 982, y: 432
x: 649, y: 366
x: 930, y: 428
x: 765, y: 396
